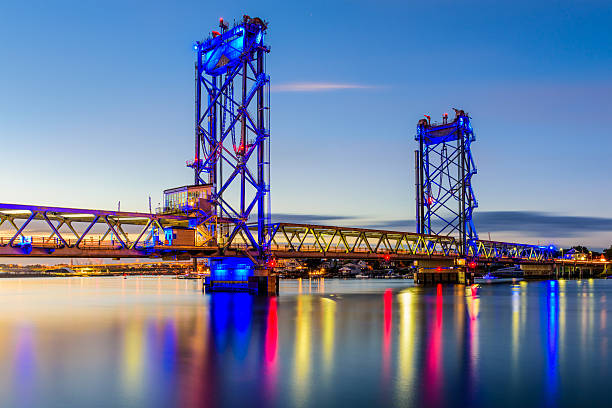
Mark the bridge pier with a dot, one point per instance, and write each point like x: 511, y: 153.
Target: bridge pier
x: 240, y: 274
x: 538, y: 271
x: 262, y: 283
x: 432, y: 272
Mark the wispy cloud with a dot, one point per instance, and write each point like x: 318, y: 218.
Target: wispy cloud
x: 316, y: 219
x: 318, y: 86
x: 535, y: 223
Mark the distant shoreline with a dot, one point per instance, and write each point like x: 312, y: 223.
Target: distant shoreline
x: 82, y: 275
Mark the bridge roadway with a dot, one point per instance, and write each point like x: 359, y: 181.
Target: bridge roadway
x: 40, y: 231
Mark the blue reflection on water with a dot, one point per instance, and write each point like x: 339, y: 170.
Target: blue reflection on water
x: 169, y: 347
x: 24, y: 366
x: 219, y: 318
x: 551, y: 312
x: 243, y: 311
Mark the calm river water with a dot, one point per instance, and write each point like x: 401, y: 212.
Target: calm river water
x: 161, y: 342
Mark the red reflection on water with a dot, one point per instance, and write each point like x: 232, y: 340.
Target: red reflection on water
x: 271, y: 333
x: 473, y: 307
x: 388, y: 318
x: 270, y: 351
x: 434, y: 355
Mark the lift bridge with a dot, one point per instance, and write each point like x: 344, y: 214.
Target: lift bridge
x: 225, y: 214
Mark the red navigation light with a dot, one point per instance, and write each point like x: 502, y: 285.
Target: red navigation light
x: 439, y: 269
x: 222, y: 24
x: 387, y: 257
x: 272, y: 263
x: 472, y: 265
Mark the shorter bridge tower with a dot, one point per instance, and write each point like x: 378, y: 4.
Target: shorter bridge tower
x: 444, y: 168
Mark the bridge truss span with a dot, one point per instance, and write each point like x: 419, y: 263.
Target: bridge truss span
x: 40, y: 231
x: 319, y: 241
x: 27, y: 230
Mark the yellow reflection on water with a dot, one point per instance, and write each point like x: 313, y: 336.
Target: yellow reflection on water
x: 301, y: 371
x: 562, y: 306
x: 133, y: 358
x: 591, y: 302
x: 328, y: 308
x: 516, y: 315
x: 406, y: 346
x: 473, y: 305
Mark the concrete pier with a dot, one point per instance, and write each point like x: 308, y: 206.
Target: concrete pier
x: 431, y: 272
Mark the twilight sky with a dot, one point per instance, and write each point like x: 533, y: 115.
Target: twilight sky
x: 97, y: 106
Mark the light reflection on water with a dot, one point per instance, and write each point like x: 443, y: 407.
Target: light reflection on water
x: 154, y: 341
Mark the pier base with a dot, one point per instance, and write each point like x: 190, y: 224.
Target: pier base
x: 240, y: 275
x: 263, y: 284
x: 538, y: 271
x: 431, y: 272
x: 453, y: 276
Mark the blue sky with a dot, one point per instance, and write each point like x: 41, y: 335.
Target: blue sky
x: 97, y: 106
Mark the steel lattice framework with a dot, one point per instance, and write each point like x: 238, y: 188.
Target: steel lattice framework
x: 444, y: 168
x: 232, y: 130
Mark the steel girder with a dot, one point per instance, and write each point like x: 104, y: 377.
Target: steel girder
x: 232, y: 131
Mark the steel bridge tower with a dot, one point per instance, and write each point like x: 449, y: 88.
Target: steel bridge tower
x: 444, y: 167
x: 232, y: 153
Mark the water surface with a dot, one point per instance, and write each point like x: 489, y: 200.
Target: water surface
x: 159, y: 342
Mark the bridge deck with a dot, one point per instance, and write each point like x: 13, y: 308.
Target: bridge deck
x: 41, y: 231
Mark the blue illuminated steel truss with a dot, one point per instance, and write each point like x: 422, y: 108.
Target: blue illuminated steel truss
x: 232, y: 131
x: 444, y: 168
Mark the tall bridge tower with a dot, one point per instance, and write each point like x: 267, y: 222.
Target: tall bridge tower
x: 232, y: 135
x: 444, y: 167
